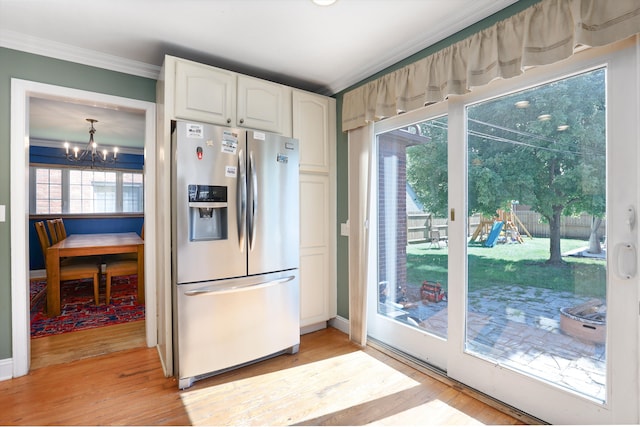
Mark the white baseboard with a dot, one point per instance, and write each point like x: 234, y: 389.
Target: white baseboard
x: 6, y: 369
x: 312, y: 328
x: 341, y: 324
x: 37, y: 274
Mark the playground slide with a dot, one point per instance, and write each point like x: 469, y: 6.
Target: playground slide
x: 494, y: 234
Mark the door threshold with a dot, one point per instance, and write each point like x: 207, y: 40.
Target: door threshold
x: 440, y: 375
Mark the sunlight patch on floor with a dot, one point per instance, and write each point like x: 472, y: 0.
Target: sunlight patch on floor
x: 329, y: 386
x: 435, y: 412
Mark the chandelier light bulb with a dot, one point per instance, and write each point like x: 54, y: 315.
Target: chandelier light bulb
x: 75, y: 151
x: 66, y: 147
x: 115, y: 152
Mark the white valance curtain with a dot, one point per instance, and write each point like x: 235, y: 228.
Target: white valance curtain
x: 544, y: 33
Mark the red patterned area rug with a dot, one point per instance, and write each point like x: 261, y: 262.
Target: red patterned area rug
x: 79, y: 311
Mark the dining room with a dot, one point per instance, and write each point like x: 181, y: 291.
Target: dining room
x: 86, y: 231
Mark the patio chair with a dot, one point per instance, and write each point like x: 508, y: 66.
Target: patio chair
x: 434, y: 237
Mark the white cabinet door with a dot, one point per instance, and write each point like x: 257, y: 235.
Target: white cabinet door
x: 311, y: 118
x: 315, y: 261
x: 314, y: 125
x: 205, y: 93
x: 264, y: 105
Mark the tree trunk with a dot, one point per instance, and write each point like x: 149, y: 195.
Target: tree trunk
x: 594, y: 241
x: 555, y: 256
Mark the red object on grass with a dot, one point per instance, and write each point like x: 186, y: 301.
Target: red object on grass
x: 431, y: 291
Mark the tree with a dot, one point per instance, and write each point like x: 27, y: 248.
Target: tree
x: 544, y: 146
x: 427, y: 167
x: 549, y: 153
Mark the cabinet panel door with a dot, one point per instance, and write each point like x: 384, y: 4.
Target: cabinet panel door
x: 313, y: 294
x: 264, y: 105
x: 311, y: 127
x: 314, y: 249
x: 205, y: 94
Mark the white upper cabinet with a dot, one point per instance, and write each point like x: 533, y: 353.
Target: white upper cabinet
x: 264, y: 105
x: 222, y: 97
x: 313, y: 118
x: 205, y: 94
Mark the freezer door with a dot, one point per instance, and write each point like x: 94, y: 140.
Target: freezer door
x: 231, y: 322
x: 209, y: 213
x: 273, y: 206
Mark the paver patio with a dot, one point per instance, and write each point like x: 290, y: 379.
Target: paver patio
x: 519, y: 327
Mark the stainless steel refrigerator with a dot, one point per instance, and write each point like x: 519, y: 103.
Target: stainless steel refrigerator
x: 235, y: 248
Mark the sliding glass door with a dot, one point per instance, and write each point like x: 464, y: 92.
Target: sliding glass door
x: 505, y: 238
x: 550, y: 282
x: 409, y: 307
x: 537, y: 286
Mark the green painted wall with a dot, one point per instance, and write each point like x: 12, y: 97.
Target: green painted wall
x: 342, y: 151
x: 25, y: 66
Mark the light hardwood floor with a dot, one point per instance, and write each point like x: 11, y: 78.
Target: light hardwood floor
x: 71, y: 346
x: 330, y: 381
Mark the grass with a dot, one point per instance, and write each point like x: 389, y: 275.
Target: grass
x: 513, y: 264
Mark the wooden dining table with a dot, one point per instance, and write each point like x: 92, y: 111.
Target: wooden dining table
x: 76, y: 245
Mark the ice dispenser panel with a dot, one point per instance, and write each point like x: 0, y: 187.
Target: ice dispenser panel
x: 207, y: 212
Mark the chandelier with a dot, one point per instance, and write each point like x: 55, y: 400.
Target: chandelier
x: 90, y: 153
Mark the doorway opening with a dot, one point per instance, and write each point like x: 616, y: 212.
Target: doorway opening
x: 22, y: 91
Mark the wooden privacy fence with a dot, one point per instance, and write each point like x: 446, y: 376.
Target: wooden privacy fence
x: 419, y: 225
x: 570, y: 227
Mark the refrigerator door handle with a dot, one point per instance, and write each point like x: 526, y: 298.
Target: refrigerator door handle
x: 253, y: 205
x: 249, y: 287
x: 242, y: 200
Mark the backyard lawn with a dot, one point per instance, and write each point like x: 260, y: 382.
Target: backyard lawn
x: 509, y: 264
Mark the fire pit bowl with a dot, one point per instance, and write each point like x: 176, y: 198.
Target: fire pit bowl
x: 586, y: 321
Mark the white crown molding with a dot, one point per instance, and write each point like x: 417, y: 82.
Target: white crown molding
x: 38, y: 46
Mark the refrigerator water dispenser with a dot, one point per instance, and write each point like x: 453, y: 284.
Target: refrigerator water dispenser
x: 207, y: 212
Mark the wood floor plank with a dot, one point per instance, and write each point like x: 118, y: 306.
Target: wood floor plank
x: 63, y: 348
x: 329, y: 382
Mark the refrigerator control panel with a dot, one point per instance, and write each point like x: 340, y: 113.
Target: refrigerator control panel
x: 207, y: 193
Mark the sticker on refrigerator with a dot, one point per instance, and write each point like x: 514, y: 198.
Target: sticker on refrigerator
x: 195, y: 130
x: 229, y: 142
x: 230, y: 171
x: 281, y: 158
x: 229, y: 147
x: 259, y: 135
